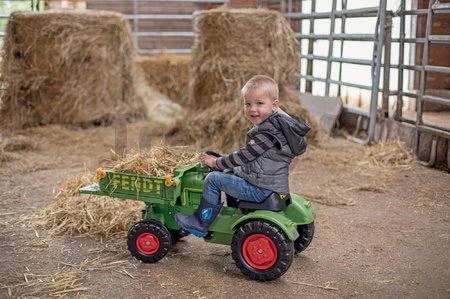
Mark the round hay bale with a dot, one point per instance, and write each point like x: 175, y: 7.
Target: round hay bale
x: 168, y: 73
x: 69, y: 67
x: 230, y: 47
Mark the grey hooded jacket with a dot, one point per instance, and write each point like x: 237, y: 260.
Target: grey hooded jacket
x: 279, y: 139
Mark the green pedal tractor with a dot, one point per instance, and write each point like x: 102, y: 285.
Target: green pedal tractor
x: 264, y: 237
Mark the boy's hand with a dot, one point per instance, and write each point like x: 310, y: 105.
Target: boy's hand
x: 208, y: 160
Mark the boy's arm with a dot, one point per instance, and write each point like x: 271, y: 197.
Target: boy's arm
x: 255, y: 148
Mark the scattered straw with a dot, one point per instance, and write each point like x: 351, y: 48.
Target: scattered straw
x: 367, y: 188
x: 72, y: 213
x: 389, y: 154
x: 325, y: 287
x: 59, y: 284
x: 157, y: 161
x: 333, y: 199
x: 67, y: 281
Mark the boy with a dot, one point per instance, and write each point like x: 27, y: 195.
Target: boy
x: 261, y: 167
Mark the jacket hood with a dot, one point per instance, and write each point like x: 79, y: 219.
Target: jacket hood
x: 293, y: 128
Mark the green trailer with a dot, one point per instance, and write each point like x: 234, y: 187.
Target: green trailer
x: 263, y: 237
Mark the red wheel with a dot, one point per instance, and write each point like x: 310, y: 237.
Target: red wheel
x: 147, y: 243
x: 260, y: 251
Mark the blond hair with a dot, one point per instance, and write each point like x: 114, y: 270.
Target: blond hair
x: 258, y: 81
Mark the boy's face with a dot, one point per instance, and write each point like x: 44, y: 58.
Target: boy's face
x: 258, y: 105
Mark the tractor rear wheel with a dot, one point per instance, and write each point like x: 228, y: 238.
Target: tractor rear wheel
x: 306, y: 234
x: 149, y: 241
x: 261, y: 250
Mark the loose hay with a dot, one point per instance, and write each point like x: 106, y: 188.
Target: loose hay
x: 390, y: 154
x: 59, y: 284
x: 169, y: 74
x: 157, y: 161
x: 73, y: 213
x: 71, y: 67
x: 226, y: 53
x: 67, y: 280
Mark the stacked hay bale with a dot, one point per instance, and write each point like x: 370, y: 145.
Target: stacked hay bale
x: 230, y: 47
x: 71, y: 67
x: 168, y: 73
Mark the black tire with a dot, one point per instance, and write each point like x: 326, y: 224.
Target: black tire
x: 306, y: 233
x: 149, y: 241
x: 253, y: 235
x: 177, y: 235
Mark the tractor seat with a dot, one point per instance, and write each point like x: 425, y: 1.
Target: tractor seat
x: 275, y: 202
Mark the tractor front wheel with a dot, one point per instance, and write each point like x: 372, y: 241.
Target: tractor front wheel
x: 149, y: 241
x: 261, y: 250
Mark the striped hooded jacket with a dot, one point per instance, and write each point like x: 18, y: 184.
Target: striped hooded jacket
x: 264, y: 161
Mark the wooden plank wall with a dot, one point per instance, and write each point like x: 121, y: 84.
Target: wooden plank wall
x: 145, y: 7
x: 162, y: 7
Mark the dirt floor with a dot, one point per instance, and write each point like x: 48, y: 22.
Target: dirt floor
x: 381, y: 231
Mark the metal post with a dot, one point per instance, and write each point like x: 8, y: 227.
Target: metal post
x: 387, y: 67
x: 309, y: 63
x: 136, y: 21
x: 135, y: 13
x: 401, y: 62
x: 343, y: 19
x: 378, y: 51
x: 330, y: 48
x: 423, y: 76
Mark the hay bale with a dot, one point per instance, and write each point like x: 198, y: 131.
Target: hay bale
x: 69, y: 67
x: 230, y: 47
x: 5, y: 157
x: 169, y: 74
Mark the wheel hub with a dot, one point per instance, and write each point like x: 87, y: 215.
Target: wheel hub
x: 260, y: 251
x: 147, y: 243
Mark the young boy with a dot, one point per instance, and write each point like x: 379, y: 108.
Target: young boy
x: 261, y: 167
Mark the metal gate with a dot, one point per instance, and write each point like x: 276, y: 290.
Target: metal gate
x: 382, y: 40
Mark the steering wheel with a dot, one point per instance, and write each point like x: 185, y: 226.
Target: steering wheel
x: 214, y: 154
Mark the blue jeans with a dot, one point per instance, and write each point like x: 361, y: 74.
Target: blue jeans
x: 232, y: 185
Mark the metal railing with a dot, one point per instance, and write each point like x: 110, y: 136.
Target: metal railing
x: 434, y: 7
x: 381, y: 38
x: 378, y: 39
x: 136, y: 17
